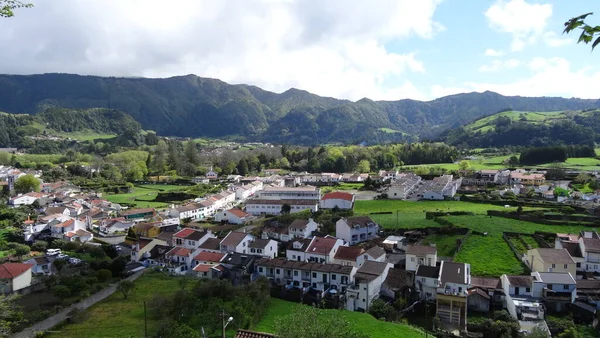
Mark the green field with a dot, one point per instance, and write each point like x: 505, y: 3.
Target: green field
x: 85, y: 135
x: 445, y: 244
x: 489, y: 123
x: 117, y: 317
x: 141, y: 197
x: 162, y: 187
x: 361, y: 322
x: 490, y: 255
x: 412, y: 214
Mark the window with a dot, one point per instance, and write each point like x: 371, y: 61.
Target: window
x: 363, y: 299
x: 277, y: 271
x: 260, y: 269
x: 295, y: 273
x: 527, y: 289
x: 271, y: 270
x: 333, y: 277
x: 565, y: 287
x: 578, y: 265
x: 293, y: 256
x: 429, y: 261
x: 549, y: 286
x: 412, y: 259
x: 314, y: 275
x: 565, y: 266
x: 553, y: 266
x: 459, y: 289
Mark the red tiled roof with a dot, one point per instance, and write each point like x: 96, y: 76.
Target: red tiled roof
x: 348, y: 253
x: 238, y: 213
x: 338, y: 195
x: 207, y: 256
x: 321, y: 245
x: 65, y: 223
x: 203, y: 267
x: 184, y: 233
x: 13, y: 270
x: 179, y: 251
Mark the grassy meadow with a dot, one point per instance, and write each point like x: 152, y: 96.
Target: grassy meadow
x: 140, y: 196
x: 360, y: 322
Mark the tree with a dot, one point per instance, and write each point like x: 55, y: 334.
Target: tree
x: 364, y: 166
x: 588, y: 33
x: 191, y: 152
x: 21, y: 250
x: 27, y: 183
x: 103, y: 275
x: 537, y: 333
x: 39, y: 246
x: 126, y: 287
x: 286, y: 208
x: 242, y: 167
x: 59, y: 264
x: 10, y: 314
x: 314, y: 325
x: 464, y: 165
x: 98, y: 253
x: 61, y: 292
x: 7, y: 7
x: 512, y: 161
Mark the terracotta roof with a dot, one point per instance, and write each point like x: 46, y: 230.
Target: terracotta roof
x: 203, y: 267
x: 298, y: 224
x: 338, y: 195
x: 143, y: 242
x: 348, y: 253
x: 238, y: 213
x: 13, y: 270
x: 207, y: 256
x: 486, y: 282
x: 521, y: 281
x: 321, y: 245
x: 183, y: 233
x: 559, y: 256
x: 233, y: 238
x: 421, y: 250
x: 65, y: 223
x: 376, y: 252
x: 251, y: 334
x: 478, y: 291
x: 179, y: 251
x: 211, y: 244
x: 592, y: 244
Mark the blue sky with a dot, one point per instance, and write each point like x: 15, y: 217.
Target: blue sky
x: 380, y: 49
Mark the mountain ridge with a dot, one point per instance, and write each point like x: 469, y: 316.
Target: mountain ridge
x: 193, y: 106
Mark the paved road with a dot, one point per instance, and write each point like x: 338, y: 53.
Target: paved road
x: 60, y: 317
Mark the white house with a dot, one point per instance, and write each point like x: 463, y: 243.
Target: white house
x: 232, y: 216
x: 14, y: 277
x: 60, y: 230
x: 273, y: 207
x: 192, y: 211
x: 290, y: 193
x: 427, y: 280
x: 317, y: 249
x: 589, y: 244
x: 451, y: 299
x: 367, y: 286
x: 558, y: 289
x: 113, y: 225
x: 442, y: 187
x: 40, y: 265
x: 191, y: 238
x: 264, y: 247
x: 301, y: 228
x: 519, y: 298
x: 417, y: 255
x: 356, y: 229
x: 341, y: 200
x: 248, y: 190
x: 236, y: 242
x: 403, y: 186
x: 350, y: 255
x: 25, y: 199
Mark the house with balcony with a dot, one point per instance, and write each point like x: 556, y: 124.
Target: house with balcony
x: 427, y: 280
x: 551, y: 260
x: 208, y: 265
x: 349, y: 256
x: 322, y: 249
x: 455, y: 280
x: 296, y: 249
x: 138, y: 213
x: 191, y: 238
x: 179, y: 260
x: 367, y: 286
x: 356, y: 229
x: 417, y: 255
x: 518, y: 296
x: 192, y: 211
x: 236, y: 241
x: 557, y: 289
x: 302, y: 228
x: 267, y: 248
x: 589, y: 244
x: 62, y: 229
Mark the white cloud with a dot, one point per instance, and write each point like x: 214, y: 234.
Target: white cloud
x: 553, y: 40
x: 498, y: 65
x: 554, y: 76
x: 335, y: 48
x: 526, y: 22
x: 493, y: 52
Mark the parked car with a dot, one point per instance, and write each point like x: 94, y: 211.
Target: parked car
x: 74, y: 260
x: 62, y: 256
x: 53, y: 252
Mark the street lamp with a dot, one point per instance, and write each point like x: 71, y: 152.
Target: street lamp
x: 225, y: 323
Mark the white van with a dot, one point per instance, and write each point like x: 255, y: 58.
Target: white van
x: 53, y: 252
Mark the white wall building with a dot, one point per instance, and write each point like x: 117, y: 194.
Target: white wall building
x: 367, y: 286
x: 417, y: 255
x: 290, y: 193
x: 341, y: 200
x: 356, y: 229
x: 273, y: 207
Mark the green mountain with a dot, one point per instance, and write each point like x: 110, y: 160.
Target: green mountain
x: 523, y: 128
x: 192, y: 106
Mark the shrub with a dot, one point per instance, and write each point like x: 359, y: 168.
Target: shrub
x: 40, y: 246
x: 103, y: 275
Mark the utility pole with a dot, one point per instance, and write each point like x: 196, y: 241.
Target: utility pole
x: 397, y: 218
x: 145, y: 322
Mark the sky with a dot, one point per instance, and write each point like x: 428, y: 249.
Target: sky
x: 351, y: 49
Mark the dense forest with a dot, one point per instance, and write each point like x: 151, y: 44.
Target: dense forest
x: 191, y: 106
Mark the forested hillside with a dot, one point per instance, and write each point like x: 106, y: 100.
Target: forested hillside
x: 514, y: 128
x: 193, y: 106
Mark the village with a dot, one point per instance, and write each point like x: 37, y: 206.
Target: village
x: 353, y: 264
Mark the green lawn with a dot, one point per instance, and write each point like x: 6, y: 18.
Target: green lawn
x: 490, y: 255
x: 86, y: 135
x: 141, y: 197
x: 445, y: 244
x: 117, y: 317
x: 361, y: 322
x: 163, y: 187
